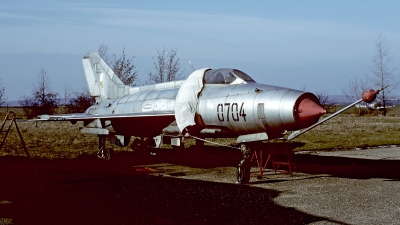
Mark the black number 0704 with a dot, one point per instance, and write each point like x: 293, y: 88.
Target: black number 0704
x: 230, y: 111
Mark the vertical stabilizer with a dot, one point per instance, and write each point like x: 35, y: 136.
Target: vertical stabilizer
x: 103, y: 83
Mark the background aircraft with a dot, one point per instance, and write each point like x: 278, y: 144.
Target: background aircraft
x: 374, y: 106
x: 209, y: 103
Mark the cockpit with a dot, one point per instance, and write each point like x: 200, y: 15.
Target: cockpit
x: 226, y: 76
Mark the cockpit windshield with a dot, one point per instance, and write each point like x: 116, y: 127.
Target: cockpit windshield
x: 227, y: 76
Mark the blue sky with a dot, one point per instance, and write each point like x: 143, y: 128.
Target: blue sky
x: 320, y: 45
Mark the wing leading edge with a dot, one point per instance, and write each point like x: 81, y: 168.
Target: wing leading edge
x: 86, y: 116
x: 133, y: 124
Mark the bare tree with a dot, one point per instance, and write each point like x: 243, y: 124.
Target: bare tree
x: 79, y: 102
x: 43, y: 100
x: 382, y: 73
x: 122, y: 66
x: 28, y: 106
x: 43, y: 93
x: 326, y: 102
x: 2, y: 94
x: 323, y: 98
x: 166, y: 68
x: 354, y: 90
x: 103, y: 53
x: 65, y: 100
x: 67, y: 95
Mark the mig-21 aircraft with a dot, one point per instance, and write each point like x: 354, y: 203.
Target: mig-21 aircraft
x: 209, y: 103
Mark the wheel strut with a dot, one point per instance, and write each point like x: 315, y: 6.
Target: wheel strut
x: 243, y: 169
x: 103, y: 152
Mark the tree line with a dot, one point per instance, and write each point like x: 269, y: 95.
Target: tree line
x: 167, y: 67
x: 43, y: 100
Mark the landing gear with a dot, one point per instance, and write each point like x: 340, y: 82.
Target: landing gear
x: 103, y: 152
x: 243, y: 169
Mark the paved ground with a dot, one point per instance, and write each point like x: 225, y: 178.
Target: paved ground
x: 197, y: 187
x: 383, y: 153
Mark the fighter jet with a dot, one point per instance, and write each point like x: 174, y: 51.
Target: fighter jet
x: 209, y: 103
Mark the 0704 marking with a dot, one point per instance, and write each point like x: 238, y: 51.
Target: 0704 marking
x: 232, y: 112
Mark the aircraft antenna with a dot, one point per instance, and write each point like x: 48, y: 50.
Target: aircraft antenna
x: 190, y: 62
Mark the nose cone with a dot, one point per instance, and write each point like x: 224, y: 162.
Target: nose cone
x: 369, y: 95
x: 308, y: 112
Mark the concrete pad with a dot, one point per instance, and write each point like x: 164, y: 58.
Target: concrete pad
x: 383, y: 153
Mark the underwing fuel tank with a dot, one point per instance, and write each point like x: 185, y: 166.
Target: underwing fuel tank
x: 256, y: 108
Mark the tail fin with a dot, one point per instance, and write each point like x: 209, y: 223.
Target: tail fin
x: 102, y: 82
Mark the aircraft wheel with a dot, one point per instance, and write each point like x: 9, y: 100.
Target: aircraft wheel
x: 104, y: 153
x: 107, y: 154
x: 243, y: 174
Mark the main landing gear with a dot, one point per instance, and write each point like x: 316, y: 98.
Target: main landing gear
x: 103, y: 152
x: 243, y: 169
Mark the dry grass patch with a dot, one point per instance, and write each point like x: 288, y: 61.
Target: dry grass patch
x: 350, y: 132
x: 49, y: 140
x: 55, y: 140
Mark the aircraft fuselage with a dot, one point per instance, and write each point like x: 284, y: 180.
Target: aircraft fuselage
x: 233, y: 109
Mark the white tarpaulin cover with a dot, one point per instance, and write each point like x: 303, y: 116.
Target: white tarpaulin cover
x: 187, y: 99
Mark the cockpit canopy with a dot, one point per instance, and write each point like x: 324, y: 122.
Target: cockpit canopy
x: 227, y: 76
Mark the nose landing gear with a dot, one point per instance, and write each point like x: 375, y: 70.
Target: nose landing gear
x: 243, y: 169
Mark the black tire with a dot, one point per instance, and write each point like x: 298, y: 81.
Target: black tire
x: 107, y: 154
x: 243, y: 174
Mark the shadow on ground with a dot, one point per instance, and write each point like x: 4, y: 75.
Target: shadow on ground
x: 345, y: 167
x: 87, y: 190
x: 348, y: 167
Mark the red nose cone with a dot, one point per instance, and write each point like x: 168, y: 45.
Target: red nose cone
x: 308, y: 112
x: 369, y: 95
